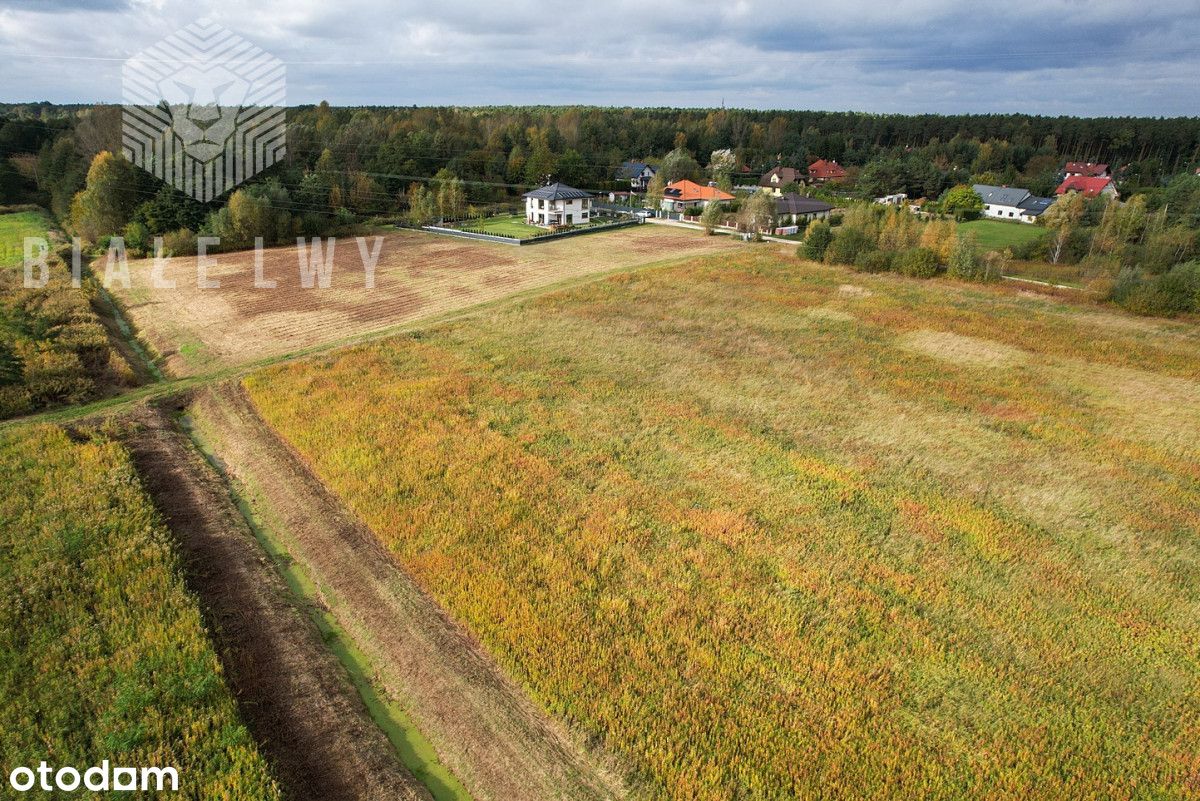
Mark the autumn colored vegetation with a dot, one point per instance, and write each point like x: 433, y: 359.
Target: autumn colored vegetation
x: 769, y: 534
x: 53, y: 347
x: 105, y: 656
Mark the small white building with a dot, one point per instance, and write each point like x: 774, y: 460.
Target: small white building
x: 898, y: 199
x: 557, y: 204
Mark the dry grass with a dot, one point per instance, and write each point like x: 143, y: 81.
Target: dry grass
x: 764, y: 553
x: 418, y: 275
x: 962, y: 349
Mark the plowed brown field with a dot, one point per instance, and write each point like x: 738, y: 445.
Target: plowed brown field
x: 419, y: 275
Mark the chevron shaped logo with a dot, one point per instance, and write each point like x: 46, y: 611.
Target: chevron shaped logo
x: 203, y: 110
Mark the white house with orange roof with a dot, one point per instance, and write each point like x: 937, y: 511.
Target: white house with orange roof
x: 683, y: 196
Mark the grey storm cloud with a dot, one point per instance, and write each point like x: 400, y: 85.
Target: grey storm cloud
x: 1100, y: 57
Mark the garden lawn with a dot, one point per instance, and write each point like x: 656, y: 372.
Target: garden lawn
x: 997, y: 235
x: 768, y: 529
x: 507, y: 225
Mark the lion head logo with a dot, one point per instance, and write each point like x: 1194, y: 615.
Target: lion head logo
x: 203, y: 110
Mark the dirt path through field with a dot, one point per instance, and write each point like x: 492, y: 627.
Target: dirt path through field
x: 483, y: 727
x: 292, y: 692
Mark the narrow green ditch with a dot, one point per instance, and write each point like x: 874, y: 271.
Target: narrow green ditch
x: 411, y: 746
x: 131, y: 338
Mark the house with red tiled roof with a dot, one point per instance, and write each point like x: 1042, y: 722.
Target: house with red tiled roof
x: 1087, y: 169
x: 684, y: 195
x: 822, y: 171
x: 1090, y: 187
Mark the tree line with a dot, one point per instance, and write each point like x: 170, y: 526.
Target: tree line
x: 348, y: 164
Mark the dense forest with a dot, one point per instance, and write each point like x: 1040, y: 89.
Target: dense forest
x: 372, y: 155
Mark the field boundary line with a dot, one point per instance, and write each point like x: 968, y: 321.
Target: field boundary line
x: 498, y: 741
x: 172, y: 386
x: 409, y: 744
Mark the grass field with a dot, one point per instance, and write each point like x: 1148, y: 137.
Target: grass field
x: 1075, y: 275
x: 505, y: 225
x: 997, y: 234
x: 418, y: 275
x: 105, y: 656
x: 14, y: 227
x: 768, y: 529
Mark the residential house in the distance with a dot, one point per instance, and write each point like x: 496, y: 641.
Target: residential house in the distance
x: 557, y: 204
x: 1087, y: 169
x: 685, y: 196
x: 795, y: 209
x: 822, y: 172
x: 778, y: 177
x: 639, y: 174
x: 1090, y: 186
x: 1011, y: 203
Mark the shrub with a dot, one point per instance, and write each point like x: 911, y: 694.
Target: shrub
x: 1174, y: 292
x: 137, y: 238
x: 817, y: 237
x: 180, y: 243
x: 918, y: 263
x: 873, y: 261
x: 965, y: 263
x: 1032, y: 249
x: 963, y: 202
x: 995, y: 264
x: 52, y: 375
x: 14, y: 401
x: 846, y: 246
x: 88, y: 339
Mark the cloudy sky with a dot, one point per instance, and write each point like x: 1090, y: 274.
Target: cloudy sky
x: 1082, y: 57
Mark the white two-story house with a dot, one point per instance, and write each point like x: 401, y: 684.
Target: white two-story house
x: 557, y: 204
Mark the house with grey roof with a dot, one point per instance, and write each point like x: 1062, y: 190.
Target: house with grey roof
x: 795, y: 209
x: 1011, y: 203
x: 557, y: 204
x: 1033, y: 206
x: 639, y: 174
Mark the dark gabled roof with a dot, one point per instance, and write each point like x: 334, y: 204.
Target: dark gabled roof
x: 557, y: 191
x: 1001, y: 195
x: 1034, y: 205
x: 632, y: 169
x: 791, y: 203
x: 787, y: 175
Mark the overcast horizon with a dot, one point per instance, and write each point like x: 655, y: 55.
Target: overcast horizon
x: 1060, y: 57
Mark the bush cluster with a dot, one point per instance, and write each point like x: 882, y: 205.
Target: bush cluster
x: 875, y: 239
x: 53, y: 347
x: 1176, y: 291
